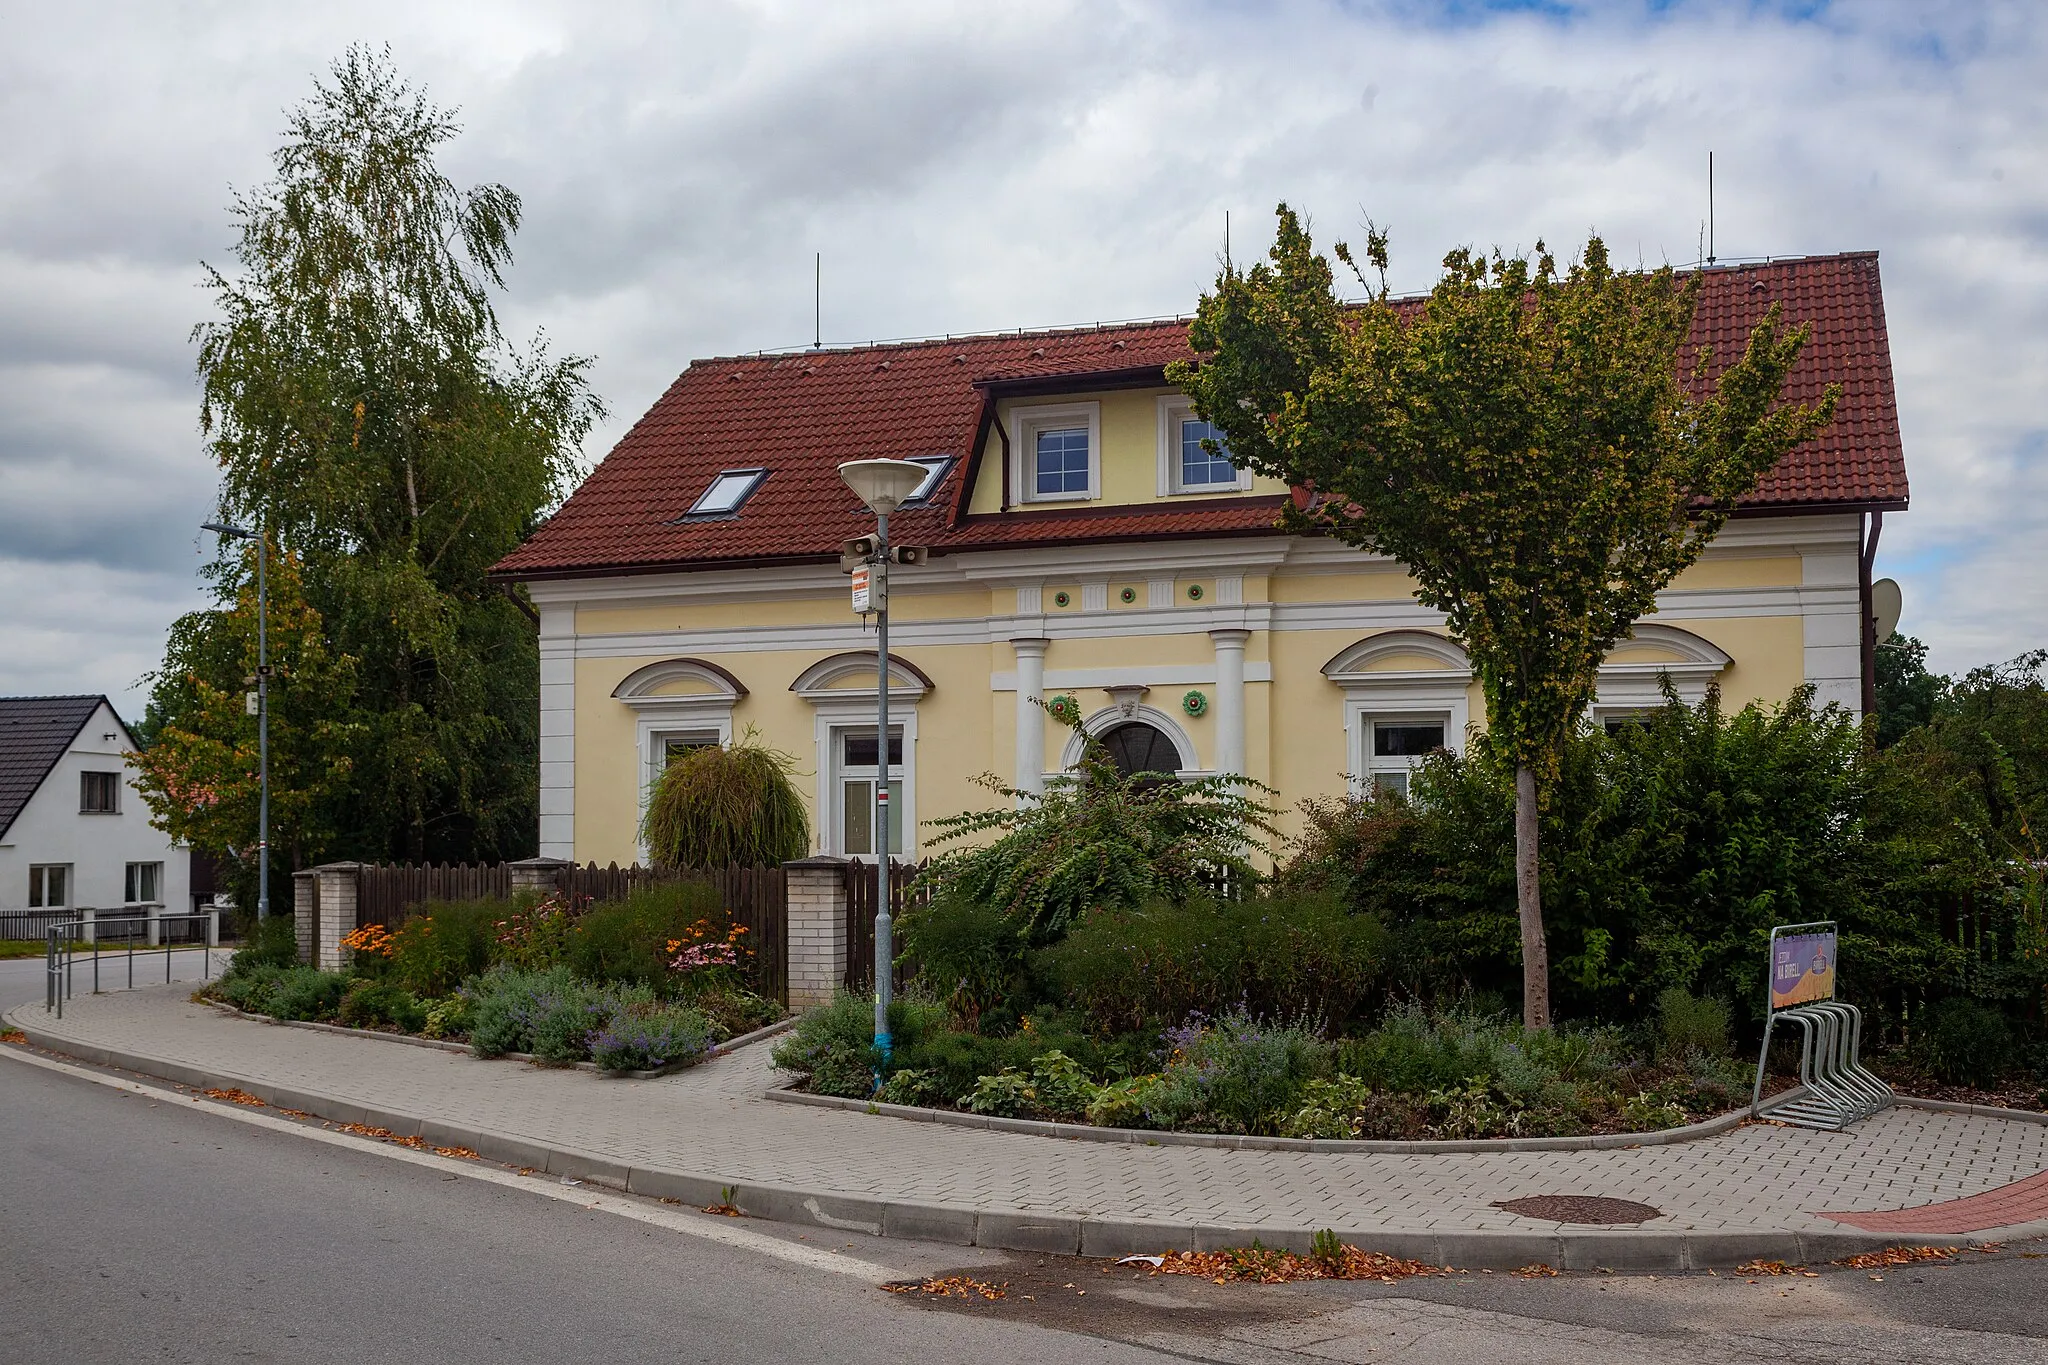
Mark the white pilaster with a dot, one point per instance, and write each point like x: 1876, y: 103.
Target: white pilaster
x: 558, y: 730
x: 1229, y: 699
x: 1030, y: 716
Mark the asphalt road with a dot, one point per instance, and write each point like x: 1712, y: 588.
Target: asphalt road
x: 149, y: 1227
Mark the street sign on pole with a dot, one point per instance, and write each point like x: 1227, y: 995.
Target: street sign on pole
x: 862, y: 593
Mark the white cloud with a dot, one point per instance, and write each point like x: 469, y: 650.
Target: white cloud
x: 969, y: 167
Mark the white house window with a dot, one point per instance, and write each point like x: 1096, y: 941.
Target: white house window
x: 857, y: 762
x: 1396, y: 744
x: 99, y: 793
x: 1185, y: 464
x: 727, y: 491
x: 49, y: 886
x: 145, y: 883
x: 1057, y: 453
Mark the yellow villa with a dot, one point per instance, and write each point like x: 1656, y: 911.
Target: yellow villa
x: 1082, y: 545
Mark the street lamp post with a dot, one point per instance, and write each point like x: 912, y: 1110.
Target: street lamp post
x: 883, y: 485
x: 262, y: 711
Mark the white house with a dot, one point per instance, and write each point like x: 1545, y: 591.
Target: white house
x: 74, y: 833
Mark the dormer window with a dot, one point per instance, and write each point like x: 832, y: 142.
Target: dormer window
x: 1056, y: 455
x: 938, y: 465
x: 727, y: 491
x: 1186, y: 465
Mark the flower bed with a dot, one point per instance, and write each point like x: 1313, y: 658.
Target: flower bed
x: 1415, y: 1077
x: 654, y: 981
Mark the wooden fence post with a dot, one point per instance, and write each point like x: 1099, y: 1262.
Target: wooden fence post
x: 816, y: 929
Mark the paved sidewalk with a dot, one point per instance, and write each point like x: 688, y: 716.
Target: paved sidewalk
x: 1759, y: 1190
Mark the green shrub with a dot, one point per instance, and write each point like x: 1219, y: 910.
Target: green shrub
x: 271, y: 942
x: 306, y: 993
x: 1332, y: 1108
x: 734, y: 1010
x: 627, y: 940
x: 1095, y: 838
x: 1298, y: 957
x: 251, y: 988
x: 445, y: 944
x: 1250, y: 1074
x: 1413, y: 1052
x: 448, y: 1017
x: 968, y: 954
x: 380, y: 1004
x: 1967, y: 1043
x: 1687, y: 1024
x: 724, y: 806
x: 505, y: 1004
x: 534, y: 937
x: 642, y: 1037
x: 832, y: 1046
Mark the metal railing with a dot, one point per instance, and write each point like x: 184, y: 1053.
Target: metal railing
x: 65, y: 941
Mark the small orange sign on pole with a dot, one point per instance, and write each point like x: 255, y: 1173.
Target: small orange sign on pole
x: 862, y: 599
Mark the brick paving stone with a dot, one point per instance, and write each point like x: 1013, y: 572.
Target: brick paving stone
x: 712, y: 1122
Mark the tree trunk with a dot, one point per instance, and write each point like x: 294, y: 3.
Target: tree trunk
x: 1529, y: 905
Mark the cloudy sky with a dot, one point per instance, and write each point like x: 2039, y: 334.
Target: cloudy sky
x: 973, y: 166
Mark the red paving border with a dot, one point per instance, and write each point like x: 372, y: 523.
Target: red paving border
x: 2023, y: 1201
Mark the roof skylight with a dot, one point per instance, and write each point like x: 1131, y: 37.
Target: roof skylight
x: 938, y: 465
x: 727, y: 491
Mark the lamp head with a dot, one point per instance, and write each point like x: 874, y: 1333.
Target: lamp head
x: 883, y: 484
x: 221, y: 528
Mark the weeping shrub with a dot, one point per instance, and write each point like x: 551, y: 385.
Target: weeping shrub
x: 725, y: 806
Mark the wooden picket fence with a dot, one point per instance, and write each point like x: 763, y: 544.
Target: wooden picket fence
x: 392, y: 893
x: 860, y: 917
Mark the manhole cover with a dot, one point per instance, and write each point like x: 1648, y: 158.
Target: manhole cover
x: 1580, y: 1208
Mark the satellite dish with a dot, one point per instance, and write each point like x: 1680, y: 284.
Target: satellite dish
x: 1885, y: 604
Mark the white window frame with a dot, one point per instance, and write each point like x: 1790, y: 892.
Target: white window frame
x: 1027, y: 423
x: 1173, y: 410
x: 38, y: 895
x: 939, y: 466
x: 155, y: 873
x: 832, y: 720
x: 898, y: 773
x: 1440, y: 695
x: 1367, y: 767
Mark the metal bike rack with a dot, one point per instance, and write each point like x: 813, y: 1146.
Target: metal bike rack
x: 1836, y: 1089
x: 63, y: 943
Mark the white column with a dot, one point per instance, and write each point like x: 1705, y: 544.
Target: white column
x: 1230, y: 699
x: 1030, y: 715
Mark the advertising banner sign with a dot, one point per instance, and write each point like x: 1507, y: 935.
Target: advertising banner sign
x: 1802, y: 969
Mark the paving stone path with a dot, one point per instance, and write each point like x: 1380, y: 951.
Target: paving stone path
x: 712, y: 1122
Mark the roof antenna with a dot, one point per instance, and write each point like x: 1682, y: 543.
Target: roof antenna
x: 818, y: 301
x: 1710, y: 208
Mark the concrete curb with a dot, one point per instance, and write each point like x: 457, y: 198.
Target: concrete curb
x: 1981, y: 1111
x: 1146, y: 1137
x: 1643, y: 1249
x: 441, y: 1044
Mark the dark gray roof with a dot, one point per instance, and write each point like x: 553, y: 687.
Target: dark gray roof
x: 34, y: 733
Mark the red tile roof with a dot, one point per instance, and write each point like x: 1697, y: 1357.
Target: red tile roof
x: 800, y: 415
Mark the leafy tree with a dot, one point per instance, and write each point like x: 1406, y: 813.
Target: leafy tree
x: 1099, y: 838
x: 726, y: 805
x: 1906, y: 692
x: 1525, y: 442
x: 199, y: 774
x: 366, y: 409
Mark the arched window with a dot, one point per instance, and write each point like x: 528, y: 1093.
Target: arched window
x: 1136, y: 747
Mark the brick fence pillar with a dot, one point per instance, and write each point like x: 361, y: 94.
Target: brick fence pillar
x: 816, y: 930
x: 535, y: 874
x: 338, y: 886
x: 305, y: 911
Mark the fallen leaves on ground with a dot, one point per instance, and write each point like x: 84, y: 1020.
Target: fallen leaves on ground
x: 724, y: 1210
x: 417, y: 1143
x: 13, y: 1035
x: 1891, y: 1256
x: 1538, y: 1271
x: 237, y: 1097
x: 951, y: 1287
x: 1263, y: 1265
